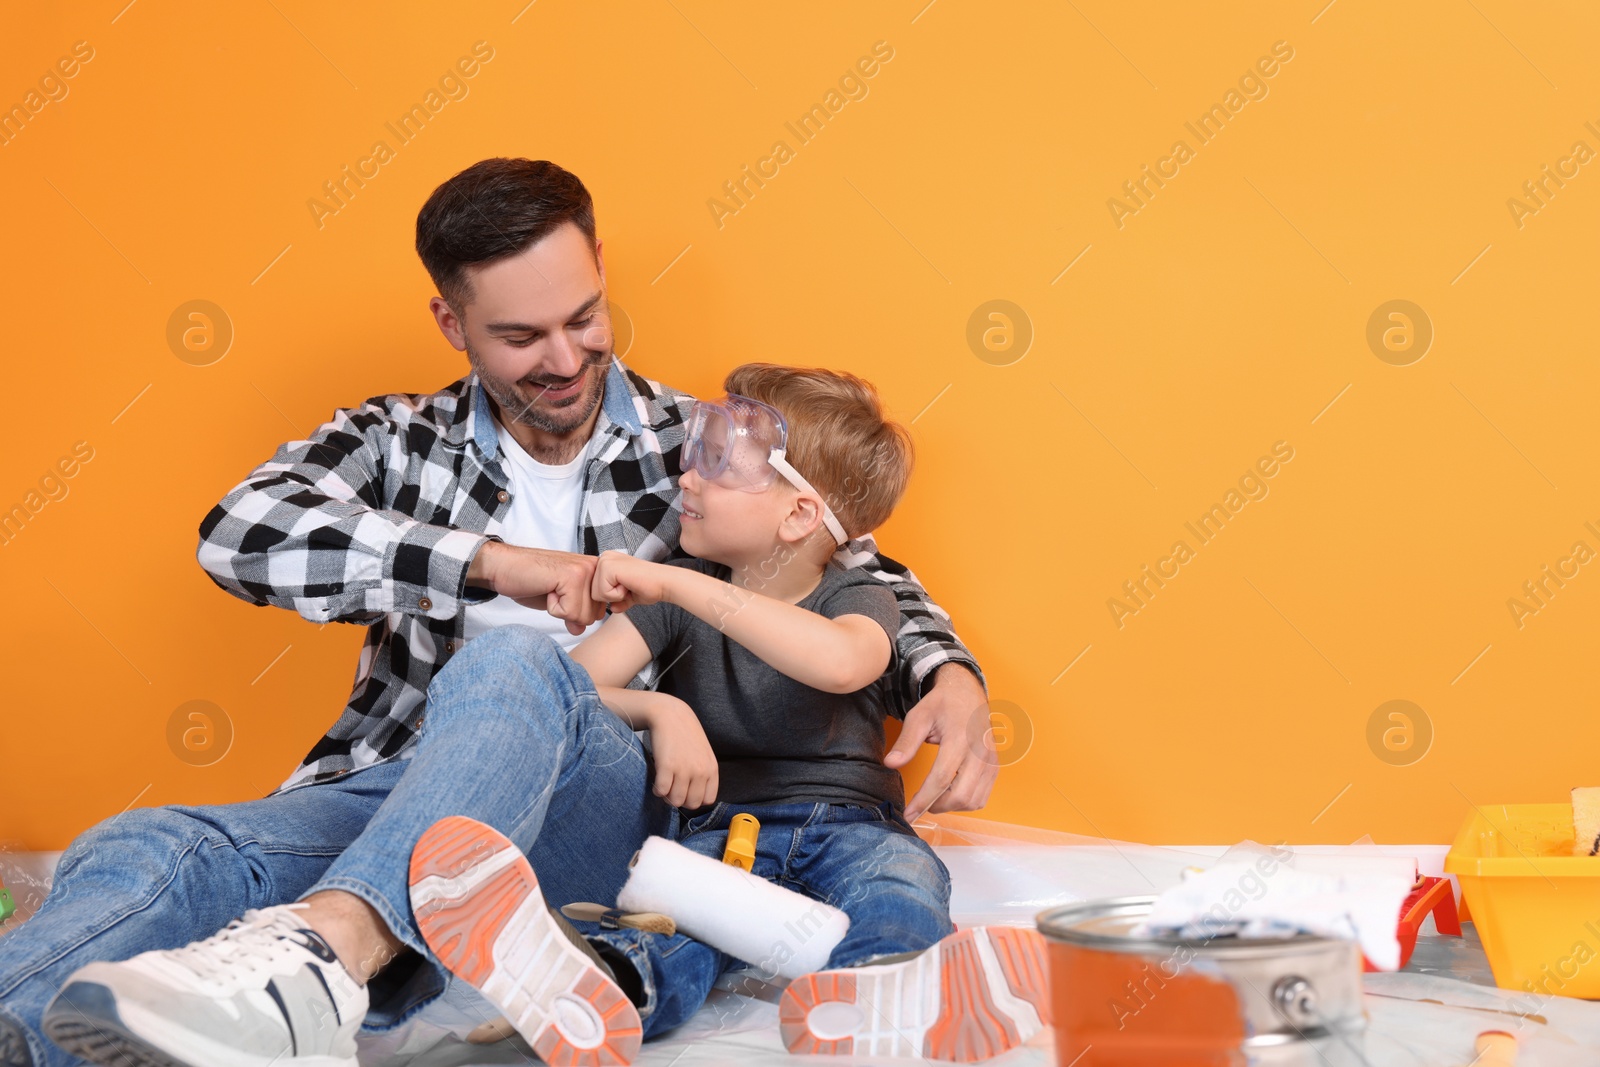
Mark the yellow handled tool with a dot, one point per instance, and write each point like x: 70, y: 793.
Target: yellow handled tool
x: 741, y: 849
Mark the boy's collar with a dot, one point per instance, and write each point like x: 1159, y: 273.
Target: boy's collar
x: 616, y: 409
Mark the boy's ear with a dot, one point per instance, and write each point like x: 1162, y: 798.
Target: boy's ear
x: 803, y: 520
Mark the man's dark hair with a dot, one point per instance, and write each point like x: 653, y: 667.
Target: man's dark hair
x: 493, y: 209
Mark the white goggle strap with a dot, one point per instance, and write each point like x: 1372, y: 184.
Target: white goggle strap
x: 783, y: 467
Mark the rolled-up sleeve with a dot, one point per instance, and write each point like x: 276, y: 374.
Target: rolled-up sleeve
x: 308, y: 530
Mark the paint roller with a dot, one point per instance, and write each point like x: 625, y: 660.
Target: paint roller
x: 776, y: 929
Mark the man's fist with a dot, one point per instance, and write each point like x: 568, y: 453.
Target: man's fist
x: 557, y: 582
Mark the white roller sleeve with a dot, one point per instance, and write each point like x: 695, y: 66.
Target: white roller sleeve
x: 776, y: 929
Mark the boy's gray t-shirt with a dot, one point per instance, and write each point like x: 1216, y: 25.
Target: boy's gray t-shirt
x: 778, y: 740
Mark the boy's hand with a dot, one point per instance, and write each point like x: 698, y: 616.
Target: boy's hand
x: 622, y: 580
x: 686, y: 768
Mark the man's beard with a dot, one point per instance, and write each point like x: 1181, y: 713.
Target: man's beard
x: 559, y: 418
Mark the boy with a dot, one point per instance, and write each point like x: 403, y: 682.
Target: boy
x: 774, y: 686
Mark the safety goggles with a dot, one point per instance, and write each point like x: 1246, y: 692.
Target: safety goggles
x: 739, y: 443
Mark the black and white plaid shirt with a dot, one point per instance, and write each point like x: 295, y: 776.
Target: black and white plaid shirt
x: 376, y: 517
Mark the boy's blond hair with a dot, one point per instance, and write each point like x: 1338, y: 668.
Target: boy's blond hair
x: 839, y: 438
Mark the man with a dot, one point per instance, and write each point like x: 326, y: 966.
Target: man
x: 432, y: 520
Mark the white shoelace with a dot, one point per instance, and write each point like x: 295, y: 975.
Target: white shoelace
x: 254, y: 941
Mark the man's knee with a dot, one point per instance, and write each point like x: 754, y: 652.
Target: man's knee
x: 139, y: 841
x: 159, y: 825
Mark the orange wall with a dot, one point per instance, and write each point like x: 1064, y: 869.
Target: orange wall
x: 1228, y: 313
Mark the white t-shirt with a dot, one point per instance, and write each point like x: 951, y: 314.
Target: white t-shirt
x: 546, y: 501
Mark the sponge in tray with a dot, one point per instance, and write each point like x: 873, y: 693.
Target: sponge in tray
x: 1586, y: 820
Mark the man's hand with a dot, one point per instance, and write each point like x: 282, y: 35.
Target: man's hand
x: 955, y: 716
x: 686, y: 768
x: 622, y: 580
x: 557, y: 582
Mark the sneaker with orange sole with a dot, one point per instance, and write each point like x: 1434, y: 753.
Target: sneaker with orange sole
x: 975, y: 994
x: 478, y: 905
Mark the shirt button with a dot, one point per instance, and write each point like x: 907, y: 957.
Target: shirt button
x: 502, y: 496
x: 425, y: 604
x: 449, y: 646
x: 341, y: 771
x: 419, y: 721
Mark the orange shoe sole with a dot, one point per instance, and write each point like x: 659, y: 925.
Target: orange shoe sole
x: 974, y: 995
x: 478, y: 905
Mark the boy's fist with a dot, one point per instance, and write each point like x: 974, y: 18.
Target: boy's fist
x: 622, y: 580
x: 687, y: 773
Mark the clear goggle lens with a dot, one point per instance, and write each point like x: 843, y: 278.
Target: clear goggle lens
x: 731, y: 441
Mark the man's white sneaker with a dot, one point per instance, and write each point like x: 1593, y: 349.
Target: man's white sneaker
x: 263, y: 991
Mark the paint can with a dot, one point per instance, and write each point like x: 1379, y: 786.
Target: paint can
x: 1125, y: 1001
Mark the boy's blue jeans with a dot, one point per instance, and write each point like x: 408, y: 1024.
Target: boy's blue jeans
x: 514, y: 736
x: 867, y: 862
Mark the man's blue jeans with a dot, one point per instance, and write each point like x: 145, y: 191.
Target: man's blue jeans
x: 867, y: 862
x: 514, y: 736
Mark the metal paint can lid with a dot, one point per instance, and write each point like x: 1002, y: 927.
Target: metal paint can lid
x: 1108, y: 925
